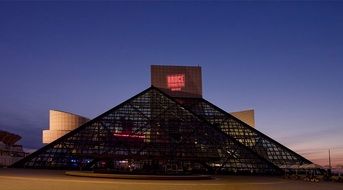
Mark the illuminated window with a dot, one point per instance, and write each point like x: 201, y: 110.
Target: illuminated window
x: 176, y: 82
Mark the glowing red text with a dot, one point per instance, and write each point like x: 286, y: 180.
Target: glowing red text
x: 176, y: 82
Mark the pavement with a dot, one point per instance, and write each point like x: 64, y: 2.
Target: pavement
x: 28, y: 179
x: 137, y: 177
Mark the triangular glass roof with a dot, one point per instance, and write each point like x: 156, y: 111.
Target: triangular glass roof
x: 155, y: 133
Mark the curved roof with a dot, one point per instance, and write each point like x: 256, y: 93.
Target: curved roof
x: 69, y: 113
x: 8, y: 138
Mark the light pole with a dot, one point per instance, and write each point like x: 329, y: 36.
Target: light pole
x: 329, y: 160
x: 329, y: 172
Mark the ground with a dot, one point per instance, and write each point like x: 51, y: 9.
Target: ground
x: 48, y: 179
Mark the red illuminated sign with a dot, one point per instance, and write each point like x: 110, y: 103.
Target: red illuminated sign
x: 176, y: 82
x: 129, y: 137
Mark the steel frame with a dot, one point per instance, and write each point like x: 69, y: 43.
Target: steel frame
x: 155, y: 133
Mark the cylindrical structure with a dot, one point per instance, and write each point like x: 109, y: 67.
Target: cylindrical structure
x: 61, y: 123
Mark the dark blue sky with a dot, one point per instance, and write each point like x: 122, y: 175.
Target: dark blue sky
x: 284, y: 59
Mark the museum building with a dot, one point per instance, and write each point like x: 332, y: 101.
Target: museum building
x: 169, y: 128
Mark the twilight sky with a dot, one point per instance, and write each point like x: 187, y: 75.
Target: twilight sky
x: 284, y: 59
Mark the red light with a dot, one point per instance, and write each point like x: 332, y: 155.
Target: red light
x: 128, y: 135
x: 176, y: 82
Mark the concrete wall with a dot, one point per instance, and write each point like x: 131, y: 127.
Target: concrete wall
x: 61, y: 123
x: 247, y: 116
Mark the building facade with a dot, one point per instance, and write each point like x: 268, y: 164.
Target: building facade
x: 10, y: 151
x: 61, y: 123
x: 247, y: 116
x: 166, y: 129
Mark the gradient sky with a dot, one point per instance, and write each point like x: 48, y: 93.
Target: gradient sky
x: 284, y: 59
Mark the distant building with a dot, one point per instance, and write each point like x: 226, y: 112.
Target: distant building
x: 10, y: 152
